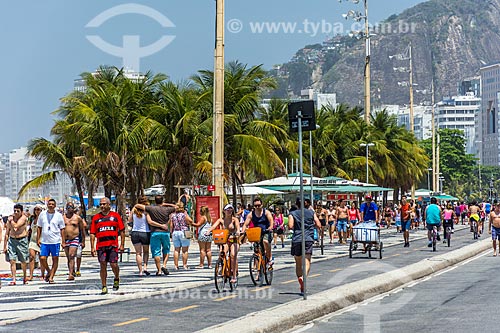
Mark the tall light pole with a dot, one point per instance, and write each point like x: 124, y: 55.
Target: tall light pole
x: 357, y: 16
x: 367, y: 145
x: 434, y: 184
x: 428, y: 179
x: 218, y: 113
x: 479, y: 167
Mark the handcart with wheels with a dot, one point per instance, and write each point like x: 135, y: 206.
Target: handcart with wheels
x: 367, y: 234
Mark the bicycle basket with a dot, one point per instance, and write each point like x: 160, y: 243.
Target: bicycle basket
x: 253, y: 234
x: 220, y: 236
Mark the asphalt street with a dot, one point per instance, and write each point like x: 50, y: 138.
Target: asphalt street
x: 198, y: 308
x: 462, y: 298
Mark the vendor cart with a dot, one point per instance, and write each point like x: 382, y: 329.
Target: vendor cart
x: 367, y: 234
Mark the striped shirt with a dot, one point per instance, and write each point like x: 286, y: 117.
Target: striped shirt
x: 106, y: 229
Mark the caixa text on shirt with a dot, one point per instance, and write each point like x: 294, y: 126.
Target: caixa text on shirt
x: 108, y: 228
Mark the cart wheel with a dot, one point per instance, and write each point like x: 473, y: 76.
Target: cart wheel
x: 380, y: 247
x: 351, y: 246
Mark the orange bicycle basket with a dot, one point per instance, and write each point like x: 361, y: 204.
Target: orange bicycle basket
x: 220, y: 236
x: 253, y: 234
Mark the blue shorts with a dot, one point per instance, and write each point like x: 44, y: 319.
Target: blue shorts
x: 342, y: 225
x: 180, y: 240
x: 405, y: 225
x: 160, y: 243
x: 495, y: 233
x: 50, y: 250
x: 398, y: 223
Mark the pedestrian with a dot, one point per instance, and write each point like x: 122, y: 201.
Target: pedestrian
x: 279, y: 227
x: 105, y: 228
x: 160, y: 232
x: 388, y: 213
x: 33, y: 247
x: 140, y: 236
x: 494, y: 227
x: 204, y: 238
x: 181, y: 234
x: 332, y: 217
x: 342, y: 221
x: 405, y: 210
x: 16, y: 240
x: 74, y: 235
x: 311, y: 222
x: 51, y: 238
x: 354, y: 217
x: 79, y: 251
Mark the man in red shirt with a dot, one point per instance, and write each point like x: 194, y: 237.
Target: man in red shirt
x: 106, y: 226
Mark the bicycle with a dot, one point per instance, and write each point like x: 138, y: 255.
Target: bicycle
x: 223, y: 269
x: 447, y: 228
x: 258, y: 264
x: 474, y: 228
x: 434, y: 238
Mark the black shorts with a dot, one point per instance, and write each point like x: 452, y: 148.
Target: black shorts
x: 323, y: 222
x: 108, y: 254
x: 297, y: 248
x: 279, y: 231
x: 139, y: 237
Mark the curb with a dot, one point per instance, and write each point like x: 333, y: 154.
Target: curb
x: 291, y: 314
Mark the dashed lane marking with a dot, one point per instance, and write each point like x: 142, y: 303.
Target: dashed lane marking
x: 261, y: 288
x: 335, y: 270
x: 184, y: 309
x: 224, y: 298
x: 130, y: 322
x: 289, y: 281
x: 314, y: 275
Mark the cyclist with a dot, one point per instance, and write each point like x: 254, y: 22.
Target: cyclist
x: 262, y: 218
x: 230, y: 222
x: 432, y: 219
x: 448, y: 218
x: 311, y: 221
x: 494, y: 227
x: 474, y: 211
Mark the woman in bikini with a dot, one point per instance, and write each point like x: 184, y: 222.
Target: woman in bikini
x: 204, y: 240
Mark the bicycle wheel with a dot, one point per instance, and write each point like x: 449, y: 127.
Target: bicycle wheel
x: 268, y: 272
x: 219, y: 275
x: 434, y: 237
x: 322, y: 244
x: 254, y: 269
x: 448, y: 236
x: 475, y: 231
x: 351, y: 248
x: 380, y: 247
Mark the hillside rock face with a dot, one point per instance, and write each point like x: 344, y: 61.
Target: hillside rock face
x: 451, y: 40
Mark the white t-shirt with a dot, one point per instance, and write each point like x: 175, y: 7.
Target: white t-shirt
x: 51, y: 225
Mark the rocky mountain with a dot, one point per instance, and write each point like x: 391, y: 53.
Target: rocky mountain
x: 451, y: 40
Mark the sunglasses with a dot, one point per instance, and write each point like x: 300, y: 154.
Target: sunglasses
x: 102, y: 204
x: 37, y: 209
x: 257, y: 206
x: 17, y: 211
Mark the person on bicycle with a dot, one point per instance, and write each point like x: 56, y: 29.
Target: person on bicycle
x: 474, y: 211
x: 230, y: 222
x: 432, y: 219
x: 311, y: 222
x: 262, y: 218
x: 448, y: 218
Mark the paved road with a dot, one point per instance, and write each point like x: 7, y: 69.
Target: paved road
x: 463, y: 298
x: 201, y: 307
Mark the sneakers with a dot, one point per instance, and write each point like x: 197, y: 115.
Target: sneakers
x: 104, y: 290
x: 275, y: 247
x: 282, y: 246
x: 77, y: 274
x: 165, y: 270
x: 430, y: 244
x: 116, y: 284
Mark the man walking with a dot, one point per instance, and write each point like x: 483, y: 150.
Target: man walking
x: 50, y: 238
x: 405, y: 212
x: 160, y: 236
x: 494, y: 227
x: 75, y: 237
x: 16, y: 239
x: 105, y: 227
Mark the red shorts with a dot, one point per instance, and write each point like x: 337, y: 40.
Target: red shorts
x: 108, y: 254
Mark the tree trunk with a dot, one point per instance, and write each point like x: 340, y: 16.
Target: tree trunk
x: 79, y: 188
x: 234, y: 184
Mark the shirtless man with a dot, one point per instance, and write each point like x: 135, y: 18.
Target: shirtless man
x: 474, y: 211
x: 74, y: 235
x: 494, y: 229
x: 321, y: 214
x: 342, y: 215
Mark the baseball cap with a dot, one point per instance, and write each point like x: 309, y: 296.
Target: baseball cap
x: 228, y: 206
x: 368, y: 196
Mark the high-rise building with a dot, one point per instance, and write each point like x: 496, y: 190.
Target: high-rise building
x: 459, y: 112
x: 17, y: 168
x: 488, y: 135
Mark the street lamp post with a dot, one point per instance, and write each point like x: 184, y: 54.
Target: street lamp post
x: 428, y: 179
x: 479, y: 167
x: 367, y: 145
x: 358, y: 16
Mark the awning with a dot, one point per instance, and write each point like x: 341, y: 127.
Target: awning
x: 253, y: 190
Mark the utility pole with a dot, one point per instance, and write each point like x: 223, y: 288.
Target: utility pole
x: 411, y: 112
x: 434, y: 188
x: 367, y: 65
x: 218, y: 113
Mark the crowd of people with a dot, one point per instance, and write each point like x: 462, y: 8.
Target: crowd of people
x: 155, y: 227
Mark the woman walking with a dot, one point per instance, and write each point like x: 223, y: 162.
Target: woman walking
x: 141, y: 236
x: 180, y: 220
x: 33, y: 247
x: 204, y: 239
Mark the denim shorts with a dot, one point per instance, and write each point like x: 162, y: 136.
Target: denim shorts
x: 160, y: 243
x: 180, y: 240
x: 342, y: 225
x: 405, y: 225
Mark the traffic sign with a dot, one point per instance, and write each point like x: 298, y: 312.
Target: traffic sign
x: 304, y: 109
x: 211, y: 188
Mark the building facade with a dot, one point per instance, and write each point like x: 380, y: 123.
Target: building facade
x: 488, y: 121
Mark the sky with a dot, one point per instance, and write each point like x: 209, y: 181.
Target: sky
x: 47, y: 44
